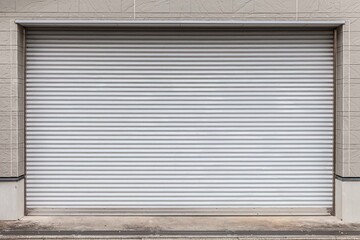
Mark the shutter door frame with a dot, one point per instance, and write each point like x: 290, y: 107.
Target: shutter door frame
x: 194, y: 211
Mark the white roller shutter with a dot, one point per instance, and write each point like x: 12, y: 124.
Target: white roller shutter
x: 175, y: 120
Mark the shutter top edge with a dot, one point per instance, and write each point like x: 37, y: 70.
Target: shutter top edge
x: 175, y: 23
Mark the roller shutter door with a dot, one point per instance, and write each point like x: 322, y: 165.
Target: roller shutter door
x: 179, y: 121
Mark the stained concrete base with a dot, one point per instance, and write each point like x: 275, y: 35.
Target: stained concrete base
x: 12, y: 200
x: 101, y: 227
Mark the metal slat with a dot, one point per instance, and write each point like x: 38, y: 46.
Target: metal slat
x: 169, y: 121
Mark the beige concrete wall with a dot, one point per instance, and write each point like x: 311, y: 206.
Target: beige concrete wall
x: 11, y: 98
x: 11, y: 60
x: 348, y: 64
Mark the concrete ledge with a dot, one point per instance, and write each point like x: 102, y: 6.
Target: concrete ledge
x: 11, y: 179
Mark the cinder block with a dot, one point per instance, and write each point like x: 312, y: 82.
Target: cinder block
x: 18, y: 72
x: 17, y: 89
x: 5, y: 155
x: 4, y: 38
x: 354, y: 168
x: 275, y: 6
x: 342, y: 73
x: 21, y: 168
x: 127, y: 6
x: 17, y: 38
x: 4, y: 23
x: 354, y: 105
x: 13, y: 136
x: 355, y: 123
x: 152, y: 6
x: 354, y: 156
x: 211, y: 6
x: 5, y: 56
x: 18, y: 136
x: 244, y: 6
x: 350, y: 6
x: 18, y: 105
x: 355, y: 57
x: 344, y: 91
x: 36, y: 6
x: 17, y: 156
x: 354, y: 137
x: 7, y: 5
x: 354, y: 89
x: 341, y: 104
x: 5, y: 169
x: 5, y: 121
x: 18, y: 121
x: 68, y: 5
x: 5, y: 104
x: 14, y: 168
x: 5, y: 71
x: 5, y: 136
x: 342, y: 123
x: 181, y: 6
x: 341, y: 136
x: 339, y: 161
x: 314, y: 6
x: 5, y: 90
x: 102, y: 6
x: 355, y: 23
x: 355, y: 38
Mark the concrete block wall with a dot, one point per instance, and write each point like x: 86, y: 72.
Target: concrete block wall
x: 11, y: 99
x: 347, y: 64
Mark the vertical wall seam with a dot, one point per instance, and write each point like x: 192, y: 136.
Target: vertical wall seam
x: 349, y: 98
x: 11, y: 100
x: 297, y: 10
x: 349, y: 69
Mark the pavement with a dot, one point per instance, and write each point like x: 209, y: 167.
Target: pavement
x: 176, y: 227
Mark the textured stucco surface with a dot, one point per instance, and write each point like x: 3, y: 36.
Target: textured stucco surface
x: 12, y: 52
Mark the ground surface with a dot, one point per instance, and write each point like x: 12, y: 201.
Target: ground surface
x: 99, y: 227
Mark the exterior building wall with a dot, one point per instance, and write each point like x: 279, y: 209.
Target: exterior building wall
x: 12, y: 50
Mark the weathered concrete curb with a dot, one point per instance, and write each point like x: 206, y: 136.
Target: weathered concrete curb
x: 177, y: 235
x: 176, y: 228
x: 77, y: 237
